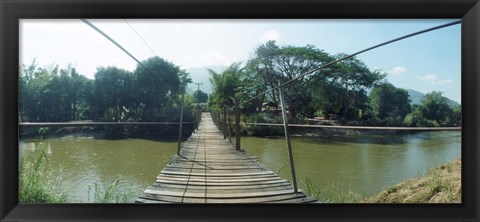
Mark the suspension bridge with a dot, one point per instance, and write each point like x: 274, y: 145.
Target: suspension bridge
x: 209, y: 169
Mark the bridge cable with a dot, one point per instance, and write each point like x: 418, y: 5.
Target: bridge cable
x: 123, y: 49
x: 151, y: 49
x: 352, y: 55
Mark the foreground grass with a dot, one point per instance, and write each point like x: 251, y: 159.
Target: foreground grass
x: 440, y: 185
x: 331, y: 193
x: 38, y: 184
x: 114, y: 192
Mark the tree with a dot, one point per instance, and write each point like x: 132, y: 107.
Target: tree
x: 157, y: 87
x: 434, y: 111
x: 50, y: 95
x: 342, y: 88
x: 113, y: 90
x: 416, y: 118
x: 389, y: 103
x: 272, y: 64
x: 225, y: 85
x: 435, y: 108
x: 199, y: 97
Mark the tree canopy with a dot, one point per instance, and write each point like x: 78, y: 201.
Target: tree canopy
x: 114, y: 95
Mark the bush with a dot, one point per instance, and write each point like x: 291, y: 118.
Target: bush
x: 416, y: 119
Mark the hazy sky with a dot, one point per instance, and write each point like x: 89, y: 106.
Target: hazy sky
x: 424, y: 63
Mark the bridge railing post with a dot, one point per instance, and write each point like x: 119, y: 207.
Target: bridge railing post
x: 180, y: 127
x: 229, y: 124
x: 224, y: 122
x: 237, y: 124
x: 287, y: 138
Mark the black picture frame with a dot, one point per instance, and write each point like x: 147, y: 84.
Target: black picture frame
x: 13, y: 10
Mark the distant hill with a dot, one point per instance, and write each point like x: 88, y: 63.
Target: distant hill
x: 416, y: 98
x: 201, y: 75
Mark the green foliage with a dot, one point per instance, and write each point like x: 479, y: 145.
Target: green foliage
x: 50, y: 95
x: 389, y: 104
x: 259, y: 130
x: 434, y: 111
x: 225, y: 85
x: 199, y: 97
x: 273, y: 64
x: 416, y: 119
x: 435, y: 107
x: 36, y: 183
x: 115, y: 95
x: 114, y: 192
x: 331, y: 193
x: 341, y: 89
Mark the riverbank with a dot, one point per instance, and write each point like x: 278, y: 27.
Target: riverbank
x: 440, y: 185
x: 102, y: 132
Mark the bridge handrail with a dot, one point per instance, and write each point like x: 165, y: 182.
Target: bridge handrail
x: 78, y: 124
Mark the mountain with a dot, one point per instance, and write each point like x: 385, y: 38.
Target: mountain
x: 201, y: 75
x: 416, y: 98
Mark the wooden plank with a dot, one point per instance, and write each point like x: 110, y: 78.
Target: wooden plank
x: 230, y: 200
x: 211, y: 189
x: 221, y: 183
x: 202, y: 187
x: 214, y: 174
x: 224, y: 180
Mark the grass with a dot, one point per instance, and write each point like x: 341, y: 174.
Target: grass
x: 36, y: 183
x: 440, y: 185
x: 114, y: 192
x: 331, y: 193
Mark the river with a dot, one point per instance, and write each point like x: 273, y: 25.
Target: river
x: 365, y: 164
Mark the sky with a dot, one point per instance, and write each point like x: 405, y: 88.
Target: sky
x: 427, y: 62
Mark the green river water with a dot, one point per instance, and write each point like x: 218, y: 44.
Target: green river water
x: 365, y: 164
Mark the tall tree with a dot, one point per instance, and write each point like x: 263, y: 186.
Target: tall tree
x: 273, y: 64
x: 113, y: 89
x: 435, y: 108
x: 199, y: 96
x: 348, y: 81
x: 158, y: 86
x: 389, y: 102
x: 225, y: 85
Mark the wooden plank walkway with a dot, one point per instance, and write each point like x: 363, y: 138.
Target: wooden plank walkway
x: 210, y: 170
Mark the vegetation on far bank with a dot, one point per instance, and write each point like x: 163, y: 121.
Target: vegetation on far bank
x: 114, y: 95
x: 348, y: 92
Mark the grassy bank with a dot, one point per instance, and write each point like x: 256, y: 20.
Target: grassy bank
x: 440, y: 185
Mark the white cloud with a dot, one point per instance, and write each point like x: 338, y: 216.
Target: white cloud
x: 211, y: 57
x: 397, y: 70
x: 434, y: 80
x: 271, y: 35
